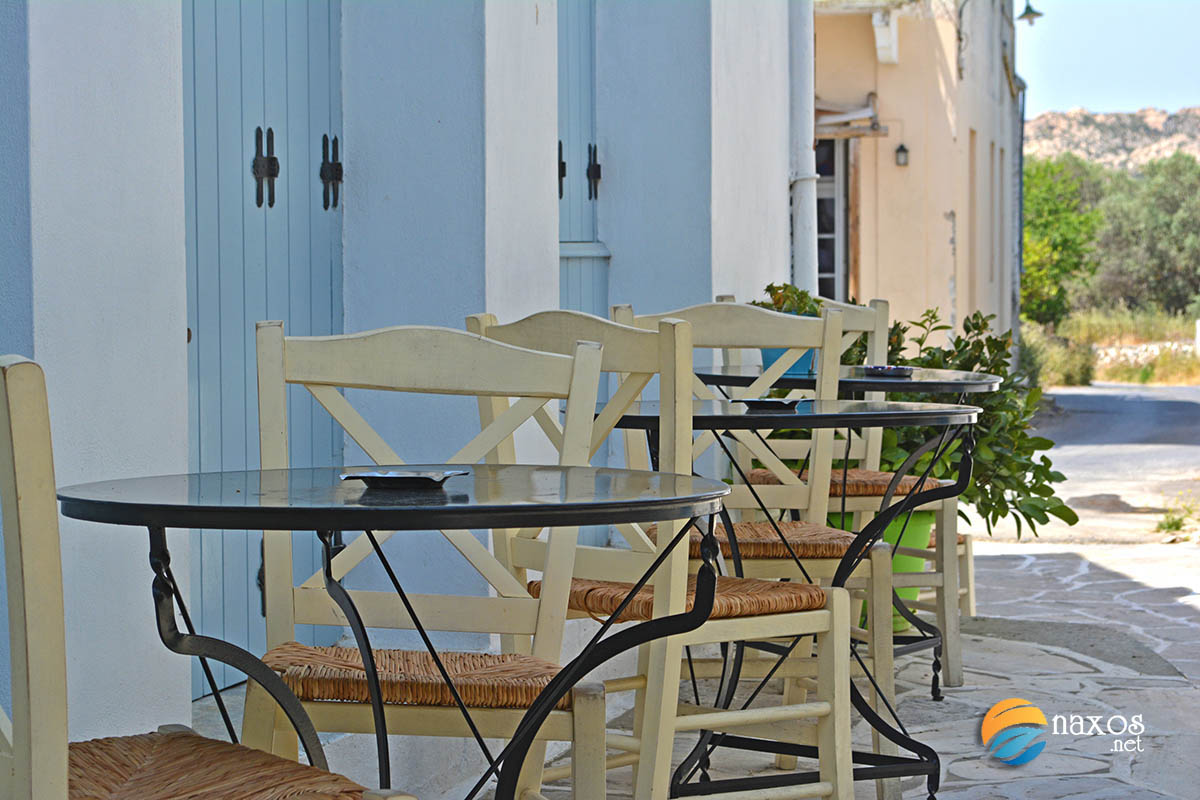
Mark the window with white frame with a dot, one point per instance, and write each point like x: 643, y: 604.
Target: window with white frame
x: 832, y: 248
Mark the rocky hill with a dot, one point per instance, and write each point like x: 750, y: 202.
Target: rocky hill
x: 1123, y: 141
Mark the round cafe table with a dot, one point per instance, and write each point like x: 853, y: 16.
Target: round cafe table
x: 318, y: 499
x: 861, y: 379
x: 721, y: 418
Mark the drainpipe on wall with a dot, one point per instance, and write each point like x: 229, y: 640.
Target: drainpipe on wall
x: 1019, y: 267
x: 803, y: 169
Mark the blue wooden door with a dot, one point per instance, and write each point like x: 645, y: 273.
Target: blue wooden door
x: 261, y: 78
x: 583, y: 258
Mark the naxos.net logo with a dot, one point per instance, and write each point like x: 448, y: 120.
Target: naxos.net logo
x: 1011, y: 731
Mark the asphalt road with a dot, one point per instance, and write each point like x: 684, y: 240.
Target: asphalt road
x: 1128, y: 452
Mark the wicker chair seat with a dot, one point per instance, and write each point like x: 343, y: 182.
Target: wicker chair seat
x: 858, y: 483
x: 759, y: 540
x: 184, y: 766
x: 410, y: 677
x: 735, y: 597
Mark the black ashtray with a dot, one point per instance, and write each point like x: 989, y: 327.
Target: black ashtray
x: 412, y: 480
x: 768, y: 405
x: 886, y: 371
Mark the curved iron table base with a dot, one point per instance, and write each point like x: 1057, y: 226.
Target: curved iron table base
x: 879, y: 766
x: 166, y: 594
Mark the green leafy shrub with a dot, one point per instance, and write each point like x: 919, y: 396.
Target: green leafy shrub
x: 1050, y: 360
x: 789, y: 299
x: 1012, y: 474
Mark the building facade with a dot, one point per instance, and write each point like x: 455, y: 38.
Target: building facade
x: 496, y: 155
x: 935, y: 225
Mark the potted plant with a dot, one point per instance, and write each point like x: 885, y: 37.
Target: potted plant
x: 788, y: 299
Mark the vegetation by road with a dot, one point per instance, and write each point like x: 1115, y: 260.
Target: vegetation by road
x: 1111, y: 263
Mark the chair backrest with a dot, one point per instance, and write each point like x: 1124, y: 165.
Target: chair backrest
x: 857, y: 321
x: 636, y: 355
x: 33, y: 744
x: 730, y: 326
x: 425, y: 360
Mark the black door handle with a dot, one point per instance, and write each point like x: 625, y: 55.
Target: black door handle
x: 264, y: 167
x: 331, y: 170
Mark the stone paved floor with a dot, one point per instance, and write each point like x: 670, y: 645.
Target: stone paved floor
x: 1091, y: 630
x: 1085, y: 630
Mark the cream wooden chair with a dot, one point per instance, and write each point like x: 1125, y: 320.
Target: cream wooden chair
x: 950, y: 555
x: 744, y: 608
x: 497, y: 687
x: 732, y: 328
x: 36, y: 761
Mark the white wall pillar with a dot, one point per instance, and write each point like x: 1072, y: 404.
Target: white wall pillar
x: 803, y: 173
x: 520, y: 146
x: 110, y: 326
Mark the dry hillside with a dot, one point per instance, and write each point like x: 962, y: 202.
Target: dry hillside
x: 1124, y: 141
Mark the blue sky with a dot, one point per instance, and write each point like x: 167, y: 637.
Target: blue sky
x: 1110, y: 55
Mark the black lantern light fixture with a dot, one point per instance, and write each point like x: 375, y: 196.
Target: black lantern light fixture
x: 1030, y: 13
x: 901, y: 156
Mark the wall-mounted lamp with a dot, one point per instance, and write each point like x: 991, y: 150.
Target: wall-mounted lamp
x: 1030, y: 13
x: 901, y: 156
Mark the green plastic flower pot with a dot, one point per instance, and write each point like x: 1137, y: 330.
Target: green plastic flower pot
x: 916, y: 534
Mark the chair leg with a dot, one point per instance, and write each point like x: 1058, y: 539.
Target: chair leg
x: 946, y: 563
x: 966, y: 575
x: 588, y: 753
x: 639, y: 702
x: 833, y: 687
x: 794, y: 692
x: 264, y: 725
x: 879, y: 624
x: 657, y: 729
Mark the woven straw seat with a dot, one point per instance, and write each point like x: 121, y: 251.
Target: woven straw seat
x: 184, y: 766
x: 736, y: 597
x: 759, y: 540
x: 410, y: 677
x: 858, y: 483
x: 962, y: 539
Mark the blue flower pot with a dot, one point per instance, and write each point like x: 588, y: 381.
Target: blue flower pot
x: 805, y: 366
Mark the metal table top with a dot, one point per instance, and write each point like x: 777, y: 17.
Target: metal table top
x: 856, y: 379
x: 804, y: 414
x: 489, y: 496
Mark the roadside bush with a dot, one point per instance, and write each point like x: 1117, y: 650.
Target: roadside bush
x: 1169, y: 366
x: 1121, y: 325
x: 1051, y: 360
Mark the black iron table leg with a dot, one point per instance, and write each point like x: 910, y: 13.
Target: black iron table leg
x: 166, y: 595
x: 354, y: 619
x: 599, y: 650
x: 925, y: 761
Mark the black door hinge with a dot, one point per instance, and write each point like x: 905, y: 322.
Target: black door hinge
x: 264, y: 167
x: 331, y: 170
x: 593, y: 172
x: 562, y: 169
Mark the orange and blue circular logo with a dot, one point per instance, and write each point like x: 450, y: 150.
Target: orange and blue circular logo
x: 1010, y: 731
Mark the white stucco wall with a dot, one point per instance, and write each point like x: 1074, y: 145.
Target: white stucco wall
x: 109, y: 298
x: 521, y: 135
x: 750, y: 141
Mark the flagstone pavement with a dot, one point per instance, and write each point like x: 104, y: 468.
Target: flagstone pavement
x: 1090, y: 630
x: 1109, y: 631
